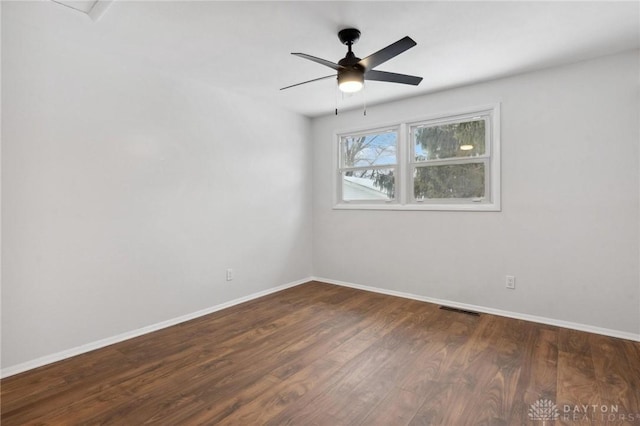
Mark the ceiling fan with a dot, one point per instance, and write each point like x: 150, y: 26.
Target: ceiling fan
x: 352, y: 71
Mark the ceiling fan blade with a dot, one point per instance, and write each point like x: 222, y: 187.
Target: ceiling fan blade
x: 392, y: 77
x: 383, y: 55
x: 320, y: 61
x: 309, y: 81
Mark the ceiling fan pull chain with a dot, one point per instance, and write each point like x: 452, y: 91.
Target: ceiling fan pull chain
x: 364, y: 96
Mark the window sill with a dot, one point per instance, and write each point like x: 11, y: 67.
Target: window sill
x: 475, y: 207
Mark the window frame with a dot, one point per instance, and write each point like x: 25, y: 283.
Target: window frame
x: 406, y: 164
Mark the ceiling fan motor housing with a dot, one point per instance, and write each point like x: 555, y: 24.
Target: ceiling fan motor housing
x: 352, y: 71
x: 350, y: 60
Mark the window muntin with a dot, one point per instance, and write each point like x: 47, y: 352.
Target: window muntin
x: 368, y: 166
x: 446, y: 162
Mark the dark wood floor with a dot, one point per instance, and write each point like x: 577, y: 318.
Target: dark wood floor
x: 328, y: 355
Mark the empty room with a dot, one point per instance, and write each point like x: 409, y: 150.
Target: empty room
x: 320, y: 213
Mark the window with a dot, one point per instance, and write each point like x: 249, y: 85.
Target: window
x: 448, y: 162
x: 450, y: 159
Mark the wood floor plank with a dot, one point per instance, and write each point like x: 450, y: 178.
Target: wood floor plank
x: 577, y: 386
x: 242, y: 367
x: 37, y: 386
x: 358, y: 357
x: 256, y: 356
x: 320, y: 354
x: 437, y: 398
x: 255, y: 400
x: 158, y: 368
x: 485, y: 377
x: 372, y: 390
x: 398, y: 408
x: 538, y: 374
x: 618, y: 386
x: 302, y: 373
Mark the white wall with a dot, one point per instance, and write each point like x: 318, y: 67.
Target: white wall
x: 126, y: 194
x: 568, y: 229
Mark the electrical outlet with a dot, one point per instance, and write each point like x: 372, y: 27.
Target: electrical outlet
x: 511, y: 282
x: 229, y: 274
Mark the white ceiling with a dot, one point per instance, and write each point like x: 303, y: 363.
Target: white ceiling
x: 245, y: 46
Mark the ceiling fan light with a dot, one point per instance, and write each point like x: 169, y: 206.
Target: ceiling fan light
x: 350, y: 81
x: 350, y: 86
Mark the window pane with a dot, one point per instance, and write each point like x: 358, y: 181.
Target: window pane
x: 369, y: 150
x: 449, y: 181
x: 371, y: 184
x: 465, y: 139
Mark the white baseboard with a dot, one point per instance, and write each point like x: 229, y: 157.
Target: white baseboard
x: 499, y: 312
x: 59, y: 356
